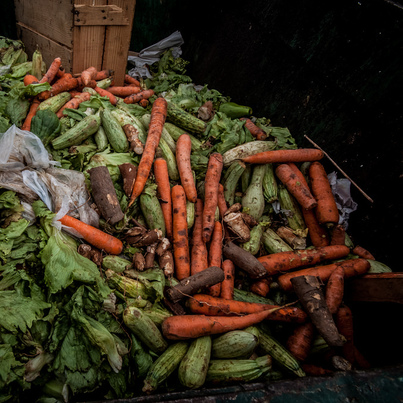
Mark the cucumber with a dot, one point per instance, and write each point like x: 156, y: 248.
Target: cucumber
x: 183, y: 119
x: 78, y: 133
x: 114, y: 131
x: 56, y: 102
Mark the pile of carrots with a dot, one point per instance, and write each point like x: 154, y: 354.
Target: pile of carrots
x: 217, y: 309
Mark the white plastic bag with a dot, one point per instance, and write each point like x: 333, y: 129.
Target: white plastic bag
x: 20, y: 149
x: 151, y: 54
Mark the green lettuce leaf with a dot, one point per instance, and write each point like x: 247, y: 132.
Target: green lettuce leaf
x: 18, y: 312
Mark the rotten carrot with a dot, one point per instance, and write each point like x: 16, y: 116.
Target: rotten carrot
x: 228, y: 284
x: 295, y: 186
x: 352, y: 267
x: 335, y: 290
x: 182, y: 327
x: 164, y: 193
x: 215, y: 254
x: 144, y: 103
x: 88, y: 74
x: 211, y: 181
x: 157, y: 120
x: 255, y: 131
x: 345, y: 326
x: 280, y: 262
x: 31, y: 113
x: 260, y: 287
x: 317, y: 233
x: 135, y: 98
x: 52, y: 71
x: 204, y: 304
x: 105, y: 93
x: 30, y: 79
x: 74, y: 103
x: 183, y: 151
x: 199, y: 252
x: 280, y: 156
x: 300, y: 341
x: 103, y: 74
x: 338, y: 235
x: 94, y: 236
x: 221, y: 202
x: 362, y: 252
x: 131, y: 80
x: 326, y: 210
x: 65, y: 83
x: 124, y: 91
x: 180, y: 233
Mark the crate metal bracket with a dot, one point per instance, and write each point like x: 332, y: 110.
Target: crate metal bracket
x: 87, y: 15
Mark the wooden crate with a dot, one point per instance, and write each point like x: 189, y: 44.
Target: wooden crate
x: 83, y: 33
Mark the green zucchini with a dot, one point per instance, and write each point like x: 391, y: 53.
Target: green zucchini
x: 114, y: 131
x: 78, y: 133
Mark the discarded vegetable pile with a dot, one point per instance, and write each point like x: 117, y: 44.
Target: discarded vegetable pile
x: 159, y: 237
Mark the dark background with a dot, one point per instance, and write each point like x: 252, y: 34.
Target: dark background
x: 328, y: 70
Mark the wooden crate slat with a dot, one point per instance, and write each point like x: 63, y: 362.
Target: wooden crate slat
x: 52, y: 19
x: 117, y: 42
x: 88, y: 42
x: 48, y: 48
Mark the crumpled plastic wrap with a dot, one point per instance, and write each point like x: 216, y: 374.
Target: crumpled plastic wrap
x: 27, y: 169
x: 341, y: 191
x: 151, y: 54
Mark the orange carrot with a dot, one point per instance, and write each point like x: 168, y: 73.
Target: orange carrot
x: 228, y: 284
x: 30, y: 79
x: 60, y: 73
x: 255, y: 131
x: 157, y: 120
x: 124, y: 92
x: 352, y: 267
x: 144, y: 103
x: 317, y: 233
x: 94, y: 236
x: 260, y: 287
x: 280, y: 262
x: 52, y: 71
x: 65, y: 83
x: 180, y: 234
x: 335, y: 290
x: 164, y: 193
x: 315, y: 370
x: 361, y: 252
x: 204, y: 304
x: 182, y: 327
x: 134, y: 98
x: 105, y: 93
x: 280, y: 156
x: 338, y: 235
x: 199, y: 253
x: 300, y: 341
x: 88, y: 74
x: 215, y: 254
x: 31, y: 113
x: 183, y: 151
x: 211, y: 181
x: 103, y: 74
x: 295, y: 186
x: 221, y: 202
x: 81, y: 86
x: 131, y: 80
x: 74, y: 103
x: 345, y: 326
x: 326, y: 210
